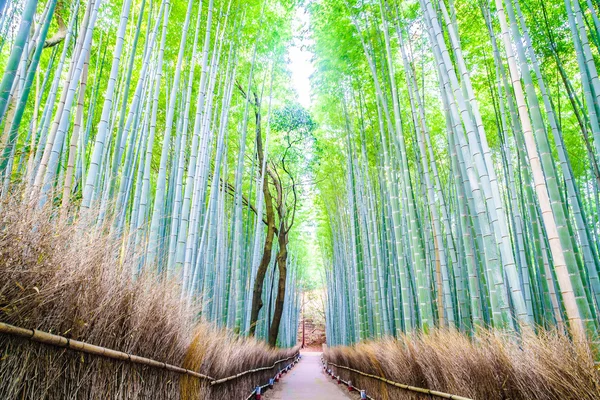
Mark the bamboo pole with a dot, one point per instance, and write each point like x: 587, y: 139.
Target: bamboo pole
x: 76, y: 345
x: 232, y: 377
x: 403, y: 386
x: 60, y: 341
x: 268, y: 384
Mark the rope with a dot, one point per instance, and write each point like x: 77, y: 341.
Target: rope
x: 76, y: 345
x: 401, y: 385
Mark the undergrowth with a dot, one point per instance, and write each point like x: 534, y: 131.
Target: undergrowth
x: 68, y: 279
x: 492, y: 365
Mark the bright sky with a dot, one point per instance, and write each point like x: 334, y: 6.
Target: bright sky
x: 300, y: 64
x: 302, y: 68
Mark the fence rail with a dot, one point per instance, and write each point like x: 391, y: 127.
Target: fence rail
x: 401, y: 385
x: 363, y: 393
x: 76, y: 345
x: 232, y: 377
x: 259, y: 389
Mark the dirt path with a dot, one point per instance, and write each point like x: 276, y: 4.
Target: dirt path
x: 308, y: 381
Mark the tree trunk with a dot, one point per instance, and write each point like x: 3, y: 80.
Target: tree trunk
x: 282, y: 265
x: 268, y: 247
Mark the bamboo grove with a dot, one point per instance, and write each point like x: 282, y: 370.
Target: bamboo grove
x: 167, y: 124
x: 469, y: 193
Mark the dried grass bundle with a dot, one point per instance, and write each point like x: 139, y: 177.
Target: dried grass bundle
x: 69, y: 280
x: 492, y: 365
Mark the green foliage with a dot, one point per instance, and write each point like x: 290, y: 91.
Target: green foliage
x: 293, y: 118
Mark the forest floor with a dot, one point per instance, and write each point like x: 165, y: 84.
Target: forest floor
x: 308, y: 381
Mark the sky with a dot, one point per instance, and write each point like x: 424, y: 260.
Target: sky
x: 300, y: 64
x: 302, y: 68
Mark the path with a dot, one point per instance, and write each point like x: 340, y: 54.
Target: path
x: 308, y: 381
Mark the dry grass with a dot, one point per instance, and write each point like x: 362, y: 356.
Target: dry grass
x: 73, y: 282
x: 490, y: 366
x: 220, y: 354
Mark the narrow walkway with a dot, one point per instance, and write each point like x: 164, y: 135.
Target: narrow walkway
x: 308, y: 381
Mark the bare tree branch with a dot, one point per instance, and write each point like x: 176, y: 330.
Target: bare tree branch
x: 61, y: 34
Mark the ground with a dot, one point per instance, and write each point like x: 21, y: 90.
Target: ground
x: 308, y: 381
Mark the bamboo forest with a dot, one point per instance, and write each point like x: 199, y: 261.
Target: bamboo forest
x: 289, y: 199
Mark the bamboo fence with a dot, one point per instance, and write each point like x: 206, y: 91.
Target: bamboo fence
x: 398, y: 385
x: 76, y: 345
